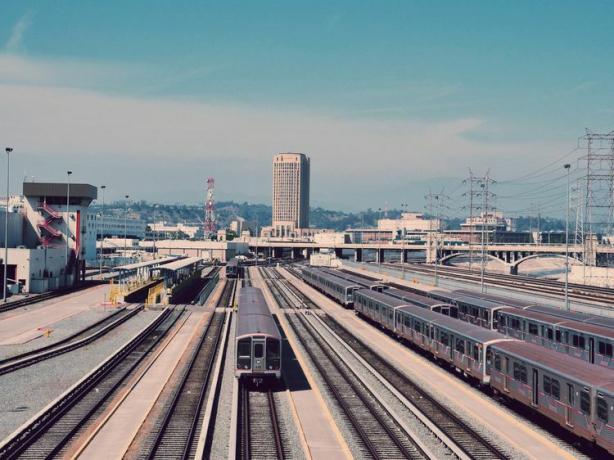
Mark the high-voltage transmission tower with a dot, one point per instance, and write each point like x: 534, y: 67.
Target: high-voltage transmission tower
x: 595, y: 193
x: 480, y: 207
x: 209, y: 223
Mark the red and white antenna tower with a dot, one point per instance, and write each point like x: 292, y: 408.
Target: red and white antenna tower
x: 209, y: 224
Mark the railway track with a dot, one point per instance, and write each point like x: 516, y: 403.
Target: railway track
x: 48, y: 434
x: 471, y: 443
x: 70, y: 343
x: 178, y: 431
x: 259, y: 433
x: 177, y: 435
x: 377, y: 432
x: 576, y: 291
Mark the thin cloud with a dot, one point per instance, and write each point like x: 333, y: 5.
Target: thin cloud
x: 15, y: 41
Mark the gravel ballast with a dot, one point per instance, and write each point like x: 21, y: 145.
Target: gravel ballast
x: 25, y: 392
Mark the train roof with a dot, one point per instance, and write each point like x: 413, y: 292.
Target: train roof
x: 414, y: 298
x: 507, y: 301
x: 354, y: 278
x: 254, y: 316
x: 559, y: 363
x: 233, y: 262
x: 454, y: 325
x: 575, y: 315
x: 340, y: 281
x: 529, y: 314
x: 476, y: 301
x: 385, y: 299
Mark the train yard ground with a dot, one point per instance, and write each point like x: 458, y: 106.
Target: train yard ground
x: 161, y: 384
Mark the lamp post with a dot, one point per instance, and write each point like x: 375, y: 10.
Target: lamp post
x: 126, y: 224
x: 403, y: 206
x: 567, y: 166
x: 155, y: 233
x: 8, y: 151
x: 68, y: 174
x: 103, y: 188
x: 484, y: 219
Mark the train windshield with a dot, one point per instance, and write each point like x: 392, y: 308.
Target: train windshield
x: 273, y: 357
x: 244, y: 353
x: 258, y: 350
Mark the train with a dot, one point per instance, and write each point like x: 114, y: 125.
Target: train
x: 234, y: 268
x: 258, y: 346
x: 508, y: 345
x: 574, y: 333
x: 576, y: 394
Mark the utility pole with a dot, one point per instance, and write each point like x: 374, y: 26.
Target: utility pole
x: 473, y: 194
x: 436, y: 204
x: 126, y: 224
x: 567, y: 167
x: 402, y: 260
x: 68, y: 174
x: 8, y: 151
x: 485, y: 182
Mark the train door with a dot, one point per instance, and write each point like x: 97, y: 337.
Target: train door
x: 507, y: 373
x: 570, y: 404
x: 535, y: 387
x: 591, y: 350
x: 258, y: 364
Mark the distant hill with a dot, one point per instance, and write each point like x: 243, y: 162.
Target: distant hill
x: 259, y: 215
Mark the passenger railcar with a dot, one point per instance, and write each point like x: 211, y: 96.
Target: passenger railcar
x: 258, y: 340
x: 575, y: 316
x: 577, y: 395
x: 377, y: 306
x: 359, y: 280
x: 463, y: 345
x: 339, y: 289
x: 233, y: 268
x: 423, y: 301
x: 585, y: 341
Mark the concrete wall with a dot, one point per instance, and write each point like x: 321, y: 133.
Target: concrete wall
x: 39, y: 269
x: 16, y: 222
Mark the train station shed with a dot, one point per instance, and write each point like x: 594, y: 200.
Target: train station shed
x: 179, y: 270
x: 144, y: 270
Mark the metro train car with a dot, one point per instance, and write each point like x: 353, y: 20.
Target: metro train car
x: 588, y: 342
x: 233, y: 268
x: 582, y: 317
x: 577, y: 395
x: 339, y: 289
x: 258, y: 340
x: 359, y: 280
x: 424, y: 302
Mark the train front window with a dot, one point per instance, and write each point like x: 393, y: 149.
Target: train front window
x: 244, y: 354
x: 272, y: 354
x: 585, y: 402
x: 258, y: 350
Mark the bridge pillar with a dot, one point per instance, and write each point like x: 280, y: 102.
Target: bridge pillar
x: 297, y: 253
x: 357, y: 255
x: 379, y: 256
x: 403, y: 257
x: 278, y: 253
x: 513, y: 269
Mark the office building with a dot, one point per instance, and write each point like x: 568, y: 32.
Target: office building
x: 290, y: 193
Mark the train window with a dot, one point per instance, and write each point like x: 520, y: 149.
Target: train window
x: 507, y: 365
x: 273, y: 359
x: 556, y: 389
x: 258, y: 350
x: 533, y: 329
x: 502, y: 320
x: 605, y: 349
x: 498, y: 362
x: 602, y: 409
x: 546, y: 384
x: 520, y: 373
x: 476, y: 353
x: 558, y: 336
x: 550, y: 334
x: 460, y: 345
x: 585, y: 402
x: 418, y: 326
x: 443, y: 337
x: 574, y: 340
x: 516, y: 371
x: 244, y: 354
x: 571, y: 395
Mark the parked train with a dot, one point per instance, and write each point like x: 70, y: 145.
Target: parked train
x: 338, y: 288
x: 258, y: 340
x: 577, y: 395
x: 234, y: 268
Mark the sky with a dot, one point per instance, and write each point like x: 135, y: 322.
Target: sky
x: 388, y: 98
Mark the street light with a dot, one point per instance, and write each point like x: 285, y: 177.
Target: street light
x: 567, y: 166
x: 125, y: 223
x: 403, y: 206
x: 155, y: 234
x: 103, y: 188
x: 68, y: 174
x: 6, y: 222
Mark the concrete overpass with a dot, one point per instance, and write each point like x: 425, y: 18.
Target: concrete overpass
x: 509, y: 254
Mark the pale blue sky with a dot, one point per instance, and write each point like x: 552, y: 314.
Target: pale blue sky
x: 382, y: 95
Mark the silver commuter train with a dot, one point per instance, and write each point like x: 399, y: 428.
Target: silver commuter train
x: 577, y: 395
x: 258, y: 340
x: 338, y: 288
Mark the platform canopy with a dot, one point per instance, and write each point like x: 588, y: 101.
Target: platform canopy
x: 182, y: 263
x: 149, y: 263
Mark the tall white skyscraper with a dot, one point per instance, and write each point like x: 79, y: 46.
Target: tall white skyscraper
x: 290, y: 193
